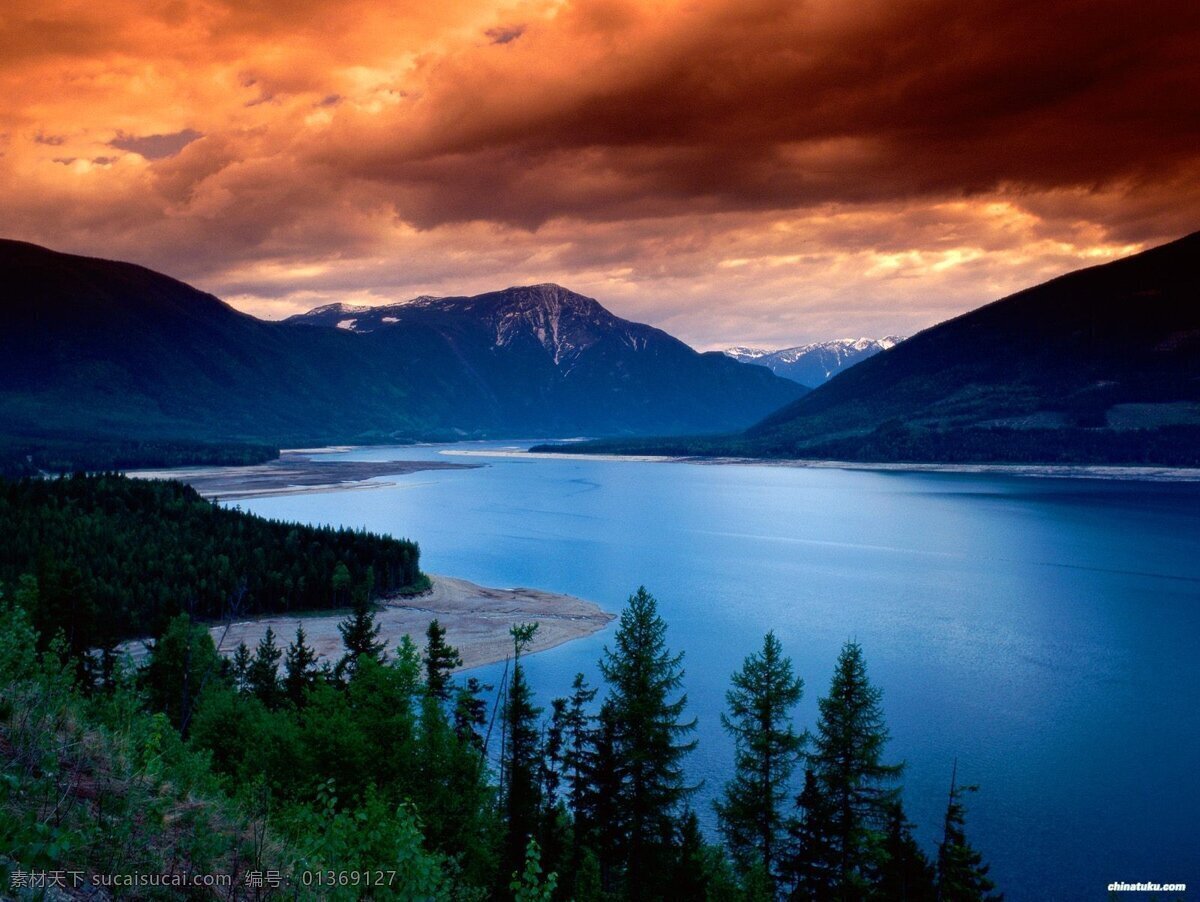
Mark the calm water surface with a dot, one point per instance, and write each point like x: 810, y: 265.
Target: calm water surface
x: 1044, y: 632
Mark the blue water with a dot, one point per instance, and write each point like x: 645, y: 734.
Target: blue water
x: 1044, y: 632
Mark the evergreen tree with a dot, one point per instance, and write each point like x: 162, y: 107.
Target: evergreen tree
x: 440, y: 661
x: 599, y: 828
x: 850, y: 776
x: 905, y: 874
x: 766, y: 751
x: 644, y: 677
x: 962, y: 875
x: 520, y: 756
x: 263, y: 673
x: 300, y: 668
x: 811, y: 867
x: 550, y: 764
x: 470, y: 712
x: 578, y: 744
x: 240, y: 667
x: 360, y: 636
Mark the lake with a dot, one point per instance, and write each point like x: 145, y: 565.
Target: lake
x: 1042, y: 631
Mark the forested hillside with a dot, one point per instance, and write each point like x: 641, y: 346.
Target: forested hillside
x: 115, y: 557
x: 31, y: 456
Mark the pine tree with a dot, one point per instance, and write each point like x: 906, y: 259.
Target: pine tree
x: 810, y: 868
x: 578, y: 744
x: 240, y: 667
x: 440, y: 661
x: 599, y: 824
x: 643, y: 678
x: 300, y: 668
x: 360, y: 635
x: 550, y: 763
x: 905, y: 874
x: 850, y: 776
x: 262, y: 676
x: 520, y: 756
x: 766, y: 751
x: 962, y: 875
x: 470, y: 712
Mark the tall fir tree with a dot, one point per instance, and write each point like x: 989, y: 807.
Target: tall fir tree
x: 857, y: 788
x: 300, y: 671
x: 578, y: 745
x: 520, y: 757
x: 441, y: 659
x: 551, y: 761
x: 646, y: 705
x: 360, y: 635
x: 767, y: 749
x: 239, y: 667
x: 262, y: 677
x: 961, y: 874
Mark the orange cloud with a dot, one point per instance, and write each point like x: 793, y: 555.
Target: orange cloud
x: 761, y: 170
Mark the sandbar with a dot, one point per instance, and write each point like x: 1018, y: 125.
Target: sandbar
x: 476, y: 619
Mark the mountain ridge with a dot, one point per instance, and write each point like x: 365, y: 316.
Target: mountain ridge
x: 89, y: 346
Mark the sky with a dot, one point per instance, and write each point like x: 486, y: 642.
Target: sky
x: 763, y: 172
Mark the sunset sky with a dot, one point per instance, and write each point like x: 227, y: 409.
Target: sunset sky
x: 734, y: 171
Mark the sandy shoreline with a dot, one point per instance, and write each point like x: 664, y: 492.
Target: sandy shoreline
x: 294, y: 472
x: 476, y: 619
x: 1061, y: 471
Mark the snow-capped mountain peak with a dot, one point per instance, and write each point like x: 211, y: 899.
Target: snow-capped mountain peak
x: 815, y: 363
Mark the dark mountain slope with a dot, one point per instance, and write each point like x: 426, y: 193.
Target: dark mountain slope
x: 103, y: 348
x: 1069, y: 353
x: 1100, y: 365
x: 98, y: 346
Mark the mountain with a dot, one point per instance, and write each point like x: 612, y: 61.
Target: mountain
x: 548, y: 361
x: 1100, y: 365
x: 99, y: 347
x: 814, y: 364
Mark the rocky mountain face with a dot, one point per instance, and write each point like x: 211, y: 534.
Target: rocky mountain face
x: 99, y: 347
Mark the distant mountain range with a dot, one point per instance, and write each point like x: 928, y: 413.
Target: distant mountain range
x: 1101, y: 365
x: 814, y: 364
x: 92, y: 346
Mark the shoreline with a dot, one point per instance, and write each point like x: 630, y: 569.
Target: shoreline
x: 476, y: 619
x: 1045, y: 471
x: 292, y: 473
